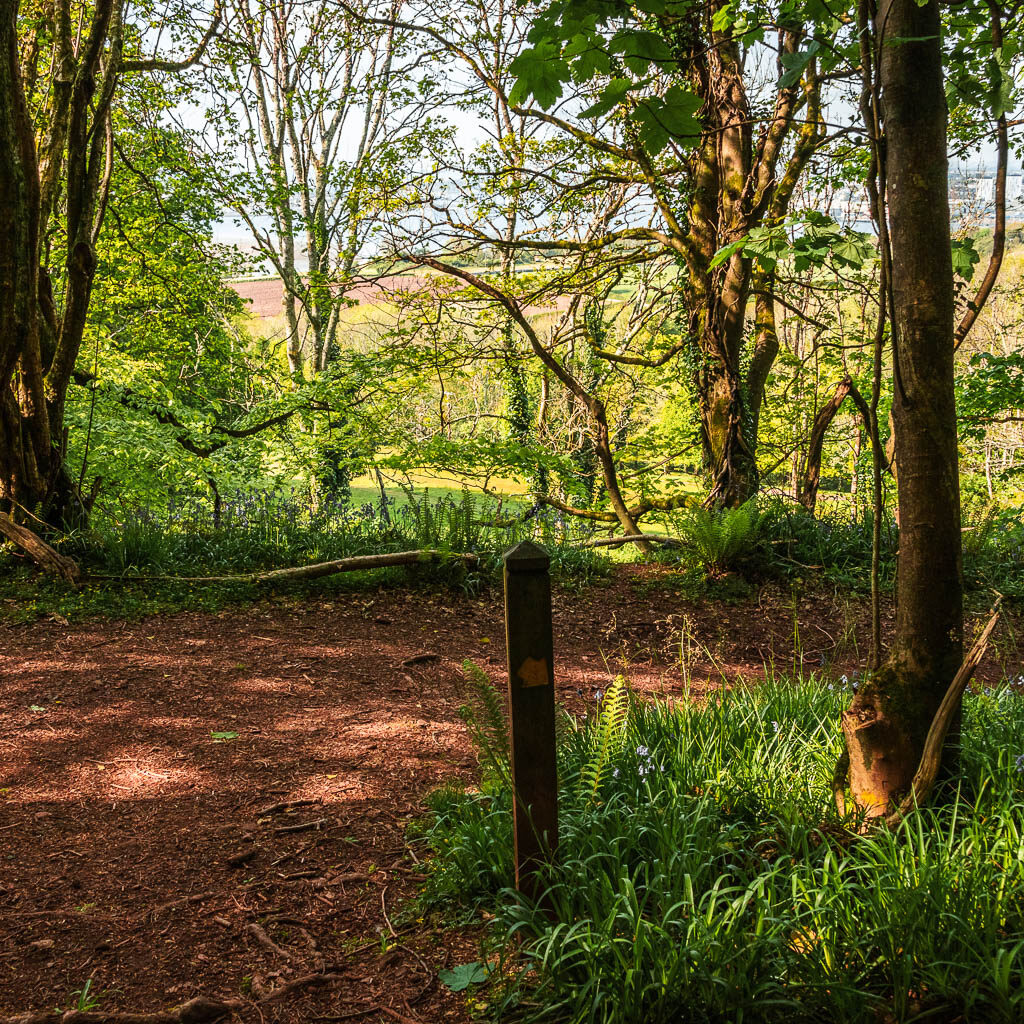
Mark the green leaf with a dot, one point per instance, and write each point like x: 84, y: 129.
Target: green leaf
x: 223, y: 736
x: 672, y: 117
x: 965, y: 258
x: 723, y: 19
x: 726, y: 253
x: 36, y: 707
x: 796, y: 63
x: 539, y: 72
x: 611, y: 96
x: 464, y: 975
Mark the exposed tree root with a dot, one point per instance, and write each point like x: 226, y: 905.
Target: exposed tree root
x: 38, y: 550
x: 931, y: 756
x: 267, y: 942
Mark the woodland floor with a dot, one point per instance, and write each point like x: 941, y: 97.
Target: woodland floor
x: 120, y: 811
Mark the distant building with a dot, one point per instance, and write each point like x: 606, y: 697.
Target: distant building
x: 982, y: 188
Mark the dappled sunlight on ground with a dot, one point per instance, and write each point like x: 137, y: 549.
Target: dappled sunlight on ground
x: 166, y: 785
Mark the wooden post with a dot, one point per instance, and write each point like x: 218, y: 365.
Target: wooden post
x: 531, y: 682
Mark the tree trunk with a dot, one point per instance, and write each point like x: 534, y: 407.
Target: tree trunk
x: 888, y: 721
x: 808, y: 481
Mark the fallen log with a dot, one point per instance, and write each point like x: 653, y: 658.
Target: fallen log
x: 635, y: 538
x: 38, y: 550
x: 305, y: 572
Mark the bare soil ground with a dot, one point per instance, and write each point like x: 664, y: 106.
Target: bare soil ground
x: 141, y: 850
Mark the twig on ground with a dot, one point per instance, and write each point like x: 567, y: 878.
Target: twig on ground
x: 285, y: 805
x: 384, y: 911
x: 267, y: 942
x: 195, y: 898
x: 302, y: 826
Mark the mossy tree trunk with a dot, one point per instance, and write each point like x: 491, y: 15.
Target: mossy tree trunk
x: 887, y: 723
x: 54, y: 166
x: 61, y: 64
x: 740, y: 182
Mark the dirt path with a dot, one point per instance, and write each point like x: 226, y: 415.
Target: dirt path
x: 139, y: 764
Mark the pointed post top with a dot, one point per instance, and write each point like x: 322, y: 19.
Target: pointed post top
x: 526, y: 557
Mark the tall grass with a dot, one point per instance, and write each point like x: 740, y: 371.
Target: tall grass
x: 706, y: 877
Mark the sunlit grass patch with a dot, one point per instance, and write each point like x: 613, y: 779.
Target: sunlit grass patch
x: 707, y: 876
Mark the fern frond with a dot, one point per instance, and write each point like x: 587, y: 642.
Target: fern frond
x: 609, y: 735
x: 485, y: 717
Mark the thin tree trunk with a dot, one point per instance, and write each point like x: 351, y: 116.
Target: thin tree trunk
x: 807, y: 485
x: 888, y: 721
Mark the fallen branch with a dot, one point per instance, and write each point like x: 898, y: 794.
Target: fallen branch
x: 304, y: 572
x: 931, y: 756
x: 636, y: 538
x: 196, y: 1011
x: 38, y: 550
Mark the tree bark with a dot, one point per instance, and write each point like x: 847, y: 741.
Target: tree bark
x: 888, y: 722
x: 38, y: 550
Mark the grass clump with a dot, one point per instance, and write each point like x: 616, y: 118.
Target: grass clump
x: 702, y: 873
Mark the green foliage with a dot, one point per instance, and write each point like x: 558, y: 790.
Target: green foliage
x: 987, y: 388
x: 811, y: 240
x: 610, y: 735
x: 613, y: 47
x: 260, y: 529
x: 712, y: 881
x: 722, y: 539
x: 484, y: 715
x: 994, y: 551
x: 833, y: 541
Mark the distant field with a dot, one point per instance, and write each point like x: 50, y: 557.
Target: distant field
x: 264, y: 297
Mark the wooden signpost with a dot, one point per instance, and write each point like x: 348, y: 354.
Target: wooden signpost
x: 531, y: 682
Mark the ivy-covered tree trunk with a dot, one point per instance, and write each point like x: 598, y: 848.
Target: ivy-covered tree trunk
x: 60, y: 67
x: 737, y: 187
x: 888, y: 721
x: 718, y: 296
x: 38, y: 348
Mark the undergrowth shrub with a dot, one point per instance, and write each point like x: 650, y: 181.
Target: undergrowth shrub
x: 702, y: 874
x: 993, y: 541
x: 833, y: 542
x: 720, y: 539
